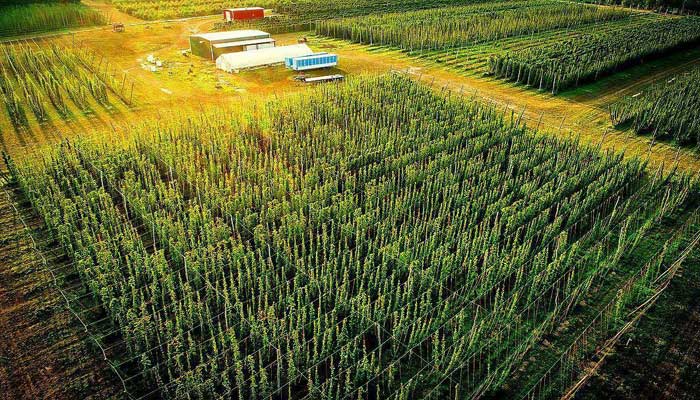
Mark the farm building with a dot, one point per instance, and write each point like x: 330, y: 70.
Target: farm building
x: 312, y: 61
x: 212, y: 45
x: 243, y: 14
x: 260, y: 58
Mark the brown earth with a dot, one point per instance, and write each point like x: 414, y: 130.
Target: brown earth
x: 660, y: 360
x: 43, y: 354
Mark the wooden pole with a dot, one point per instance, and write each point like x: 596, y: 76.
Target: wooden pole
x: 562, y: 123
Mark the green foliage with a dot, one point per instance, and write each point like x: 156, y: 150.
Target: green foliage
x: 668, y: 109
x: 587, y: 57
x: 455, y: 27
x: 680, y: 5
x: 54, y: 77
x: 43, y: 17
x: 364, y: 240
x: 293, y: 12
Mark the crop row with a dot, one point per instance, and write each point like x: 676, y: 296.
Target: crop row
x: 33, y: 18
x: 668, y: 109
x: 474, y: 59
x: 586, y: 58
x: 366, y: 240
x: 455, y: 27
x: 37, y: 79
x: 661, y: 5
x: 293, y: 12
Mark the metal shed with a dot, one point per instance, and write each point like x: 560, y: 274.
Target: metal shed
x: 246, y: 45
x: 203, y: 44
x: 233, y: 62
x: 312, y: 61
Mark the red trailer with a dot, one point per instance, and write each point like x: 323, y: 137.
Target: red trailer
x: 243, y: 14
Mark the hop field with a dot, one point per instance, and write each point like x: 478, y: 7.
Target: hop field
x: 162, y: 9
x: 669, y: 109
x: 374, y: 239
x: 543, y: 44
x: 455, y: 27
x: 290, y: 12
x: 43, y: 17
x: 41, y: 82
x: 589, y: 57
x: 680, y: 5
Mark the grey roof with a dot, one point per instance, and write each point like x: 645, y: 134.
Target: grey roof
x: 232, y: 35
x: 243, y: 43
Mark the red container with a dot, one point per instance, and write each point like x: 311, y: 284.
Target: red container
x: 243, y: 14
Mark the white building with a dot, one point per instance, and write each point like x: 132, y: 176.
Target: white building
x: 234, y: 62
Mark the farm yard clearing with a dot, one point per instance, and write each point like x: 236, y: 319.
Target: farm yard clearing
x: 245, y: 234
